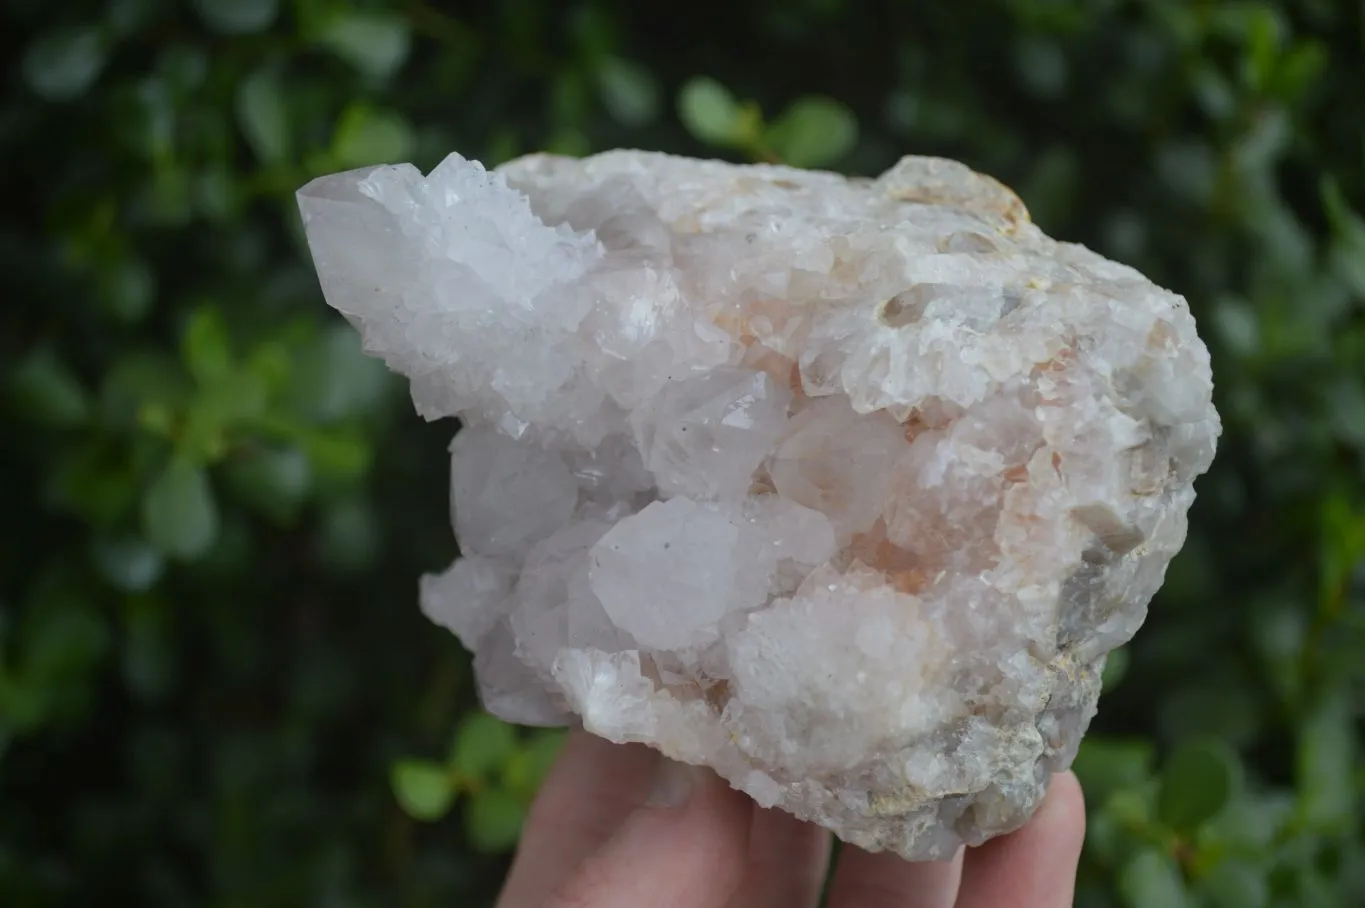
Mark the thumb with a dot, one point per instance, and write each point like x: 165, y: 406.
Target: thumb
x: 685, y: 847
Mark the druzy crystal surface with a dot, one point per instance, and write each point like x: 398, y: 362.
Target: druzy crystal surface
x: 842, y: 487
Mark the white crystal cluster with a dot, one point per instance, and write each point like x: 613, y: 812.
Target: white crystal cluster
x: 842, y: 487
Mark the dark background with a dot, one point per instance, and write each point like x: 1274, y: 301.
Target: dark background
x: 215, y: 685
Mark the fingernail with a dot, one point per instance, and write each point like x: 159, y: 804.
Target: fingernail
x: 673, y: 784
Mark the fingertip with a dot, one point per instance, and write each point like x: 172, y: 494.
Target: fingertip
x: 865, y: 879
x: 1035, y: 866
x: 787, y: 862
x: 591, y: 788
x: 1063, y: 811
x: 687, y: 845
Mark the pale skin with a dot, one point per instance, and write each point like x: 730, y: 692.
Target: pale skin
x: 618, y: 827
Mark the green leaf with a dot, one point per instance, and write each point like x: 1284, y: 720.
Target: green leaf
x: 128, y: 289
x: 60, y: 66
x: 218, y: 194
x: 1042, y: 63
x: 183, y: 68
x: 493, y: 821
x: 628, y: 91
x: 1213, y: 90
x: 263, y: 116
x: 1106, y: 765
x: 710, y: 112
x: 150, y: 121
x: 1346, y: 404
x: 368, y: 135
x: 1197, y: 782
x: 205, y: 345
x: 170, y: 198
x: 376, y: 43
x: 1252, y: 822
x: 1326, y: 764
x: 274, y: 480
x: 1265, y: 30
x: 568, y: 142
x: 237, y: 17
x: 1279, y: 632
x: 594, y: 31
x: 814, y: 132
x: 1106, y: 838
x: 93, y: 482
x: 1236, y: 884
x: 503, y: 145
x: 333, y: 379
x: 337, y: 455
x: 1299, y: 70
x: 1348, y: 236
x: 482, y: 744
x: 62, y: 642
x: 45, y: 391
x: 524, y: 772
x: 232, y: 401
x: 1219, y: 702
x: 1131, y: 807
x: 140, y: 383
x: 1188, y: 168
x: 570, y: 98
x: 179, y: 514
x: 1237, y: 323
x: 1316, y: 890
x: 423, y: 789
x: 1151, y: 879
x: 271, y: 364
x: 129, y: 563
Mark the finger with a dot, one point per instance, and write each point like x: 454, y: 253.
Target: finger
x: 864, y: 880
x: 592, y: 788
x: 1036, y: 866
x: 787, y: 863
x: 685, y: 848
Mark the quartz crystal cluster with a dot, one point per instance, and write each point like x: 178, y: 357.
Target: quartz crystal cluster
x: 841, y: 487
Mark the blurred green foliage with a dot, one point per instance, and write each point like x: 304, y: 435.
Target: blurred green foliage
x: 215, y: 687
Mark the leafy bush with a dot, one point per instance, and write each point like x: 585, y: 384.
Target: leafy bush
x: 215, y: 687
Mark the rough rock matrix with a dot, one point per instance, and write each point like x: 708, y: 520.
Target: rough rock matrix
x: 842, y: 487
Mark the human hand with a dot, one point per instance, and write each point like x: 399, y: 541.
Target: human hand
x: 619, y: 827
